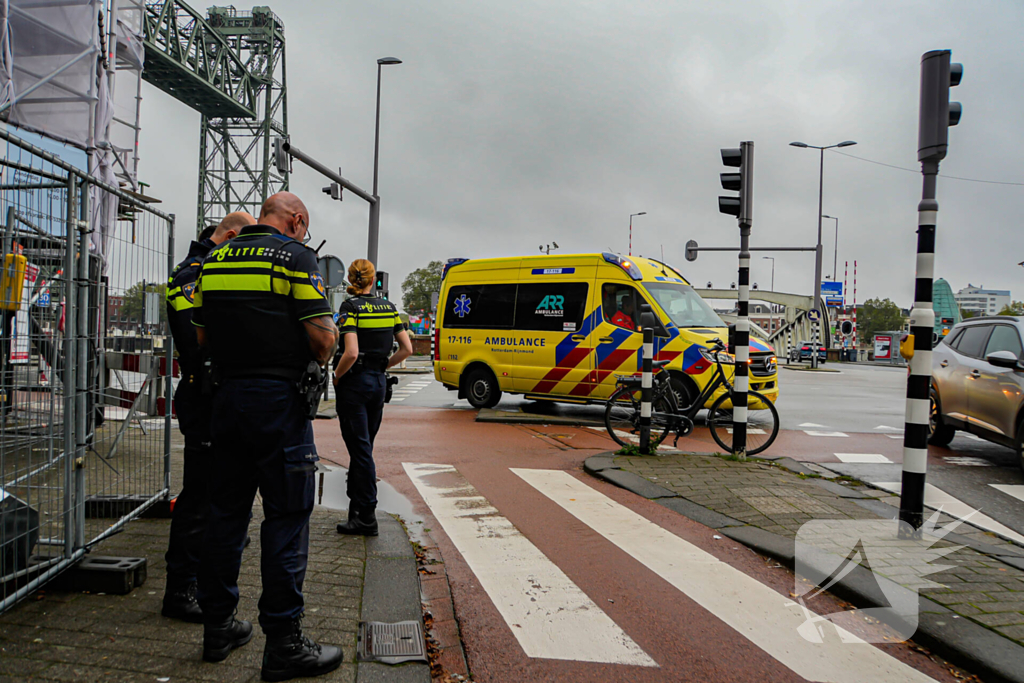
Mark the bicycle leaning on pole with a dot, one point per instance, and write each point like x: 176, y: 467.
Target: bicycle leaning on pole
x: 622, y: 412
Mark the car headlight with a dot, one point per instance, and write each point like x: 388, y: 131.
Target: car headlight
x: 723, y: 357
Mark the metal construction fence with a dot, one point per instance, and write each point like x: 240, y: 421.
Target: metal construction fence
x: 85, y: 364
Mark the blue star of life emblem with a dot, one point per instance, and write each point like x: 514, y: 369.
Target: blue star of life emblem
x: 462, y: 306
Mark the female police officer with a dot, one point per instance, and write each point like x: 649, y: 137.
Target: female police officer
x: 369, y: 326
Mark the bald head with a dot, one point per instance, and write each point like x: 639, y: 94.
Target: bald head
x: 287, y: 213
x: 231, y: 226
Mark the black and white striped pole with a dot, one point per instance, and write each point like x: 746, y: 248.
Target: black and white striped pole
x: 937, y: 113
x: 742, y: 208
x: 646, y: 381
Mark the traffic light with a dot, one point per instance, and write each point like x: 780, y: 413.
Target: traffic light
x: 742, y: 182
x: 937, y: 113
x: 691, y: 248
x: 334, y: 189
x: 282, y: 160
x: 382, y: 284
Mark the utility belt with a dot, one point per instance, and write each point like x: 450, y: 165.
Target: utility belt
x: 370, y: 361
x: 212, y: 376
x: 310, y: 383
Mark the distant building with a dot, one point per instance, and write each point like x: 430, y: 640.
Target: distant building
x: 944, y: 303
x: 981, y: 301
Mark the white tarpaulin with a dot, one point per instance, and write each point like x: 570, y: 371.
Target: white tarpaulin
x: 54, y: 48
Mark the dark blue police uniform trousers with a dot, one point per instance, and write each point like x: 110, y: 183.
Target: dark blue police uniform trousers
x: 191, y: 509
x: 262, y: 441
x: 360, y: 406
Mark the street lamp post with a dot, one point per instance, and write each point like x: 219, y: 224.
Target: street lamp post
x: 371, y: 249
x: 835, y: 253
x: 817, y: 257
x: 642, y: 213
x: 771, y: 308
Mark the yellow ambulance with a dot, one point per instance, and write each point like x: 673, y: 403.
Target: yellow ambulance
x: 561, y: 327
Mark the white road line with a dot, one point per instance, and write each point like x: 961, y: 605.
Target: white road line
x: 937, y: 499
x: 895, y: 436
x: 766, y: 618
x: 972, y: 437
x: 967, y: 461
x: 396, y: 399
x: 548, y: 614
x: 1015, y: 490
x: 813, y: 433
x: 862, y: 457
x: 811, y: 424
x: 889, y: 429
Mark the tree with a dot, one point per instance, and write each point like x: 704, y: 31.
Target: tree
x: 419, y: 285
x: 1016, y: 308
x: 878, y: 315
x: 134, y: 301
x: 965, y: 314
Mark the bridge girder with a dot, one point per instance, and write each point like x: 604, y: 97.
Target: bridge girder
x: 192, y: 62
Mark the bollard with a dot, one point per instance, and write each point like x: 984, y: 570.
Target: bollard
x: 646, y: 391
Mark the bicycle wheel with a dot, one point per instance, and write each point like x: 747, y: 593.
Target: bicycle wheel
x: 622, y: 417
x: 762, y: 424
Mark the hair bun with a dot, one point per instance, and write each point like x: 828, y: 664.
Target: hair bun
x: 360, y: 274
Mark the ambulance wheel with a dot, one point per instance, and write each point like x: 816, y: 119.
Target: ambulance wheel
x: 482, y: 390
x: 686, y: 393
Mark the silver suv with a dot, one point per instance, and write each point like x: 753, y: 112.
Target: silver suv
x: 978, y: 382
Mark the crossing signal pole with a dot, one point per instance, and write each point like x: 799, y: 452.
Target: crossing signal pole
x: 743, y: 208
x: 936, y: 115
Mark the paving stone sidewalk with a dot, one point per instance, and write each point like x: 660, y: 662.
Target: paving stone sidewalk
x: 978, y: 585
x: 57, y: 636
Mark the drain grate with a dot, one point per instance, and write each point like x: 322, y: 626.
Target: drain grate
x: 391, y: 643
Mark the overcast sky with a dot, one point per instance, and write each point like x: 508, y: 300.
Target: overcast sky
x: 514, y: 124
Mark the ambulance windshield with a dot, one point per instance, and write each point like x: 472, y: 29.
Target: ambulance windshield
x: 683, y: 305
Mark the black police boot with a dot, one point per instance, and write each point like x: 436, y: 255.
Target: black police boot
x: 289, y: 654
x: 221, y: 638
x: 181, y: 604
x: 359, y: 524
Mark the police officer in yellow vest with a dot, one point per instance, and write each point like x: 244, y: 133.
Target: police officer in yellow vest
x: 369, y: 326
x: 261, y: 310
x: 191, y: 509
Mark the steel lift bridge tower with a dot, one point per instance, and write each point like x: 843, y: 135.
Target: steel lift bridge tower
x: 230, y: 67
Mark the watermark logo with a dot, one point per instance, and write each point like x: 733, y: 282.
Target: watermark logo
x: 888, y: 552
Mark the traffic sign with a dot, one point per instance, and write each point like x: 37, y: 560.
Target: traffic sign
x: 814, y: 315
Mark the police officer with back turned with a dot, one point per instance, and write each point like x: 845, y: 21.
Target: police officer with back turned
x: 369, y: 326
x: 261, y: 310
x: 188, y: 524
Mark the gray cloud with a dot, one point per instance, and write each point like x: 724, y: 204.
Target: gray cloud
x: 510, y: 125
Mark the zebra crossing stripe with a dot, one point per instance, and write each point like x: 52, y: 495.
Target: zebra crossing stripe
x: 547, y: 613
x: 1015, y: 490
x: 761, y: 615
x: 937, y: 499
x: 862, y: 458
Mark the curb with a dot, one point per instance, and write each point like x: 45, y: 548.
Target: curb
x: 509, y: 417
x: 960, y: 641
x: 798, y: 369
x: 391, y: 592
x: 411, y: 371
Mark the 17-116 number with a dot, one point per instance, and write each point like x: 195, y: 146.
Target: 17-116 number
x: 452, y: 339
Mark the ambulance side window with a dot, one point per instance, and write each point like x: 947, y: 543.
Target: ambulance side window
x: 620, y: 306
x: 480, y: 307
x: 551, y: 306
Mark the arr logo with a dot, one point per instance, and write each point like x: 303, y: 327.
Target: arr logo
x: 552, y: 302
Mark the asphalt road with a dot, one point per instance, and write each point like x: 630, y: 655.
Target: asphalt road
x: 556, y: 575
x: 836, y: 419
